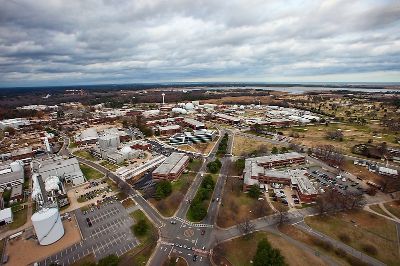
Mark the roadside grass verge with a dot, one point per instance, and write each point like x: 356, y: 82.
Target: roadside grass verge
x: 109, y: 166
x: 89, y: 172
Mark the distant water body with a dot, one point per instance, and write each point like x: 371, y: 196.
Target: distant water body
x: 305, y: 89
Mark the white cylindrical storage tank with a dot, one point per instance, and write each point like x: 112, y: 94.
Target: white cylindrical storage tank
x: 48, y: 225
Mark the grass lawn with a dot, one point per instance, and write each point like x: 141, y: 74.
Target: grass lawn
x: 393, y: 207
x: 85, y: 155
x: 72, y: 144
x: 377, y: 209
x: 187, y: 147
x: 362, y: 230
x: 318, y: 245
x: 316, y: 135
x: 170, y: 204
x: 19, y: 218
x: 233, y: 251
x: 205, y: 148
x: 237, y: 205
x: 112, y: 185
x: 89, y: 172
x: 244, y: 145
x: 110, y: 166
x: 206, y: 203
x: 141, y: 253
x: 87, y: 260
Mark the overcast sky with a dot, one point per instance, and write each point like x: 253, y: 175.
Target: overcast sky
x: 56, y: 42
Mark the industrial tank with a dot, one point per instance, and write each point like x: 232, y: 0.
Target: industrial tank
x: 48, y: 225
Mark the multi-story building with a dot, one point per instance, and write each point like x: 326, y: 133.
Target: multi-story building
x: 227, y: 118
x: 194, y: 124
x: 168, y: 130
x: 67, y: 170
x: 172, y: 168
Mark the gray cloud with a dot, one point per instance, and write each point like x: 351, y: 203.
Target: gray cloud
x: 70, y: 42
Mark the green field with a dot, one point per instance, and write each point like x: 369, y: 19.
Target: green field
x: 85, y: 155
x: 89, y: 172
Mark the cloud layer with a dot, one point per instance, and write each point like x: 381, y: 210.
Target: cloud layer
x: 117, y: 41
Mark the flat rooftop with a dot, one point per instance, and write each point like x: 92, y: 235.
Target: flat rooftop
x: 172, y: 164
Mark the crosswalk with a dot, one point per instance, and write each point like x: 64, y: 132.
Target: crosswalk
x: 193, y: 224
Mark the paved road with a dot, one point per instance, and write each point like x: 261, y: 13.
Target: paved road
x: 184, y: 239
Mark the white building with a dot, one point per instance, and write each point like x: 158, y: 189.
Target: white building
x: 14, y: 123
x: 67, y: 170
x: 6, y: 216
x: 11, y: 174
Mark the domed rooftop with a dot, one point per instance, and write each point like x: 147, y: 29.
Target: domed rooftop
x: 189, y: 106
x: 126, y: 150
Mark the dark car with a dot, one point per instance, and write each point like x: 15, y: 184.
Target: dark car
x: 203, y: 232
x: 194, y: 257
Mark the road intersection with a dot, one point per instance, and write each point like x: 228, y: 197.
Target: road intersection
x: 181, y: 238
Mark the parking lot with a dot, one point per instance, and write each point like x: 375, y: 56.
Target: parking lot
x: 324, y: 180
x: 286, y: 195
x: 108, y: 232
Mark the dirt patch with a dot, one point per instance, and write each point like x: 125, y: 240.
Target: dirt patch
x: 244, y: 145
x: 33, y: 252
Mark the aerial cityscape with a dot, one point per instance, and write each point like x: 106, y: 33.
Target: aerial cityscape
x: 181, y: 133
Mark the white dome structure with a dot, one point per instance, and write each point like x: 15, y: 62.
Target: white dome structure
x: 189, y: 106
x: 126, y: 150
x: 48, y: 225
x: 179, y: 111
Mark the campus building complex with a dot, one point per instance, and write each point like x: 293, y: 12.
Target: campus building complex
x: 172, y: 167
x: 260, y: 170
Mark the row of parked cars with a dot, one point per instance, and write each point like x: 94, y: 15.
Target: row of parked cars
x: 280, y: 194
x: 338, y: 183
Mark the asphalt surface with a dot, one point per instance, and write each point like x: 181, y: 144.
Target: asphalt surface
x: 109, y: 234
x: 179, y: 237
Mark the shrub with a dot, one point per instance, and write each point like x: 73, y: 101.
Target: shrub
x: 163, y: 189
x: 370, y: 249
x: 344, y: 238
x: 340, y: 252
x: 110, y: 260
x: 140, y: 228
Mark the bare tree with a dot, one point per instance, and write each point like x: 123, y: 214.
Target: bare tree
x: 260, y: 209
x: 246, y: 227
x: 283, y: 215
